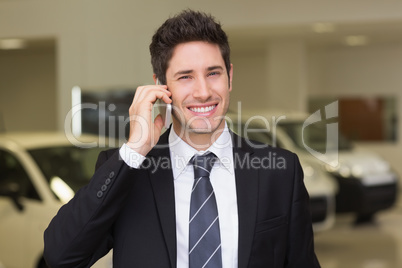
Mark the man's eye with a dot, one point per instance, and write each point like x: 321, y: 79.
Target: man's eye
x: 213, y: 73
x: 184, y: 77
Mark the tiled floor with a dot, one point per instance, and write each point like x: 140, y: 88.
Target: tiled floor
x: 374, y: 245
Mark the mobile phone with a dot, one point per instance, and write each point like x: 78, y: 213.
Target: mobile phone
x: 165, y: 109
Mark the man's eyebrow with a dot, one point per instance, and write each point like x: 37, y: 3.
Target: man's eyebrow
x: 214, y: 68
x: 183, y: 72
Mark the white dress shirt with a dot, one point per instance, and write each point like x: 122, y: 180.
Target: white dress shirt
x: 223, y: 181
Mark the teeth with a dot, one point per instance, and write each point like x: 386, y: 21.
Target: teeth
x: 203, y: 109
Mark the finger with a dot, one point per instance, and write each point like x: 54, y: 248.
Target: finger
x: 165, y: 97
x: 142, y: 91
x: 147, y: 88
x: 146, y: 101
x: 151, y: 94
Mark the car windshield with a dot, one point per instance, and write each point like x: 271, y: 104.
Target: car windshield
x: 314, y: 136
x: 73, y: 165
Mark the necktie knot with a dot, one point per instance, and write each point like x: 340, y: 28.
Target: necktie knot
x: 203, y: 164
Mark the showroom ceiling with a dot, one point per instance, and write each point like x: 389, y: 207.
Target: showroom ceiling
x: 319, y: 34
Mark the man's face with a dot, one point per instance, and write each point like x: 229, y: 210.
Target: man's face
x: 198, y: 80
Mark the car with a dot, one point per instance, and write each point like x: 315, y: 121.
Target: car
x: 39, y: 172
x: 320, y: 186
x: 367, y: 183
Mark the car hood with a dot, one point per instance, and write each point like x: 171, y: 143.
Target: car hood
x: 358, y: 163
x: 364, y: 162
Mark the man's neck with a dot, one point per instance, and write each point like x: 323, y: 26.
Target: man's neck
x: 200, y: 141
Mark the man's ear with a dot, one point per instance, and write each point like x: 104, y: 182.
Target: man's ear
x: 230, y: 77
x: 154, y: 77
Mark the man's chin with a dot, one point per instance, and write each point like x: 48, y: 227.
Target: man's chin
x: 201, y: 130
x: 208, y: 127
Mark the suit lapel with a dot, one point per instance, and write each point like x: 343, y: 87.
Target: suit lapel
x: 247, y: 198
x: 161, y: 178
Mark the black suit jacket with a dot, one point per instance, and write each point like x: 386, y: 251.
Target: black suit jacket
x: 133, y: 212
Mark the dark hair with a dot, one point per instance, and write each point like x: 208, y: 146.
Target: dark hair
x: 185, y: 27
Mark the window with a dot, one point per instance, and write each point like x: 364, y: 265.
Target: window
x: 368, y: 119
x: 13, y: 174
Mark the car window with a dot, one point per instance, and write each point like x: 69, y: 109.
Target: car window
x: 12, y: 173
x: 73, y: 165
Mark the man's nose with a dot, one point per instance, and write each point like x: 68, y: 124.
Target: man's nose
x: 202, y: 90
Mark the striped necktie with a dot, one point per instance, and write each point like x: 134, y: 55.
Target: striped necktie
x: 204, y: 234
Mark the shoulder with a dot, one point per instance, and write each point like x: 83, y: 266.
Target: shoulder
x: 259, y: 148
x: 263, y: 156
x: 276, y: 151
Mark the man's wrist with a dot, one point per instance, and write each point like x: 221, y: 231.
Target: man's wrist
x: 130, y: 157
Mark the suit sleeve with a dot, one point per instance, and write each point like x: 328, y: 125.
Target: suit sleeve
x: 80, y: 233
x: 301, y: 238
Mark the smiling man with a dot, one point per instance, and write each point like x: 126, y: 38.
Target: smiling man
x: 194, y: 196
x: 200, y: 86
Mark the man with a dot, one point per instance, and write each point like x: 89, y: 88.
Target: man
x: 140, y: 199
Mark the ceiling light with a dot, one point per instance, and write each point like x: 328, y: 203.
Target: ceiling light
x: 356, y: 40
x: 12, y: 43
x: 323, y: 27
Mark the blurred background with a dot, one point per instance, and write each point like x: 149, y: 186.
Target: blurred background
x: 297, y: 56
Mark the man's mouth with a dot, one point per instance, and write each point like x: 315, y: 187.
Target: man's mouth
x: 205, y: 109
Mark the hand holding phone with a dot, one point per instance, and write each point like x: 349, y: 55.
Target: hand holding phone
x: 165, y: 109
x: 145, y: 129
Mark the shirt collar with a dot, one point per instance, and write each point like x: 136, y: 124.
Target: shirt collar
x: 181, y: 152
